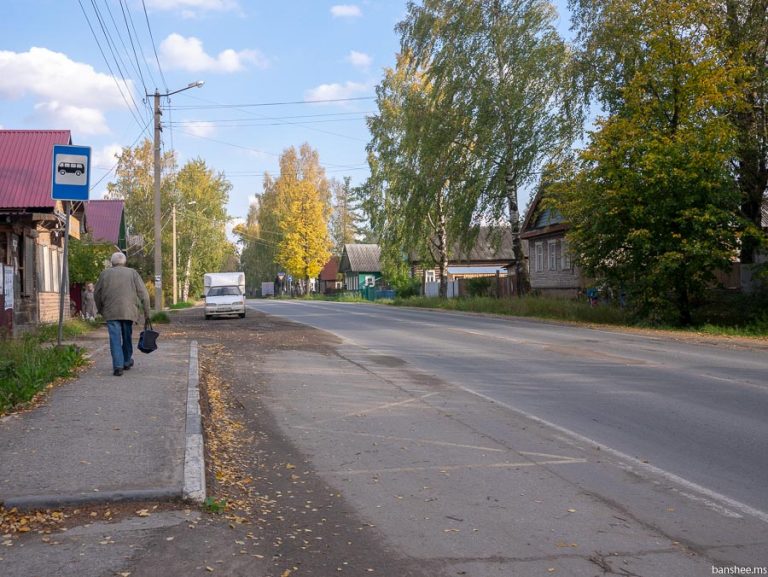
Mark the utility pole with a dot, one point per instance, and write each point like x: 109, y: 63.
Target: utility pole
x: 158, y: 211
x: 158, y: 205
x: 175, y: 281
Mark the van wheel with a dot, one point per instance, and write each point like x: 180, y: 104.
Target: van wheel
x: 241, y: 315
x: 207, y: 317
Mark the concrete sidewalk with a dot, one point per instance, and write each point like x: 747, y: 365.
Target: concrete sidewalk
x: 102, y: 438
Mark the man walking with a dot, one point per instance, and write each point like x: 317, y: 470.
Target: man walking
x: 118, y: 291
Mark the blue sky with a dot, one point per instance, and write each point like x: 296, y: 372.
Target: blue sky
x: 264, y: 63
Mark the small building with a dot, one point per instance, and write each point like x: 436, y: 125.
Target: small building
x: 105, y: 221
x: 360, y: 264
x: 31, y: 229
x: 491, y: 252
x: 328, y: 279
x: 550, y: 268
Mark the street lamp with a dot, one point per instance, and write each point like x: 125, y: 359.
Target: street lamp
x: 158, y: 207
x: 175, y: 281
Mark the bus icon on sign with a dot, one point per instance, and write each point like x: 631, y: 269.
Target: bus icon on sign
x: 75, y: 168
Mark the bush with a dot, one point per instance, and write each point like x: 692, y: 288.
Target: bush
x: 27, y: 366
x: 479, y: 287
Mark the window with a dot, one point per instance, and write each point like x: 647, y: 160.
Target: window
x: 566, y: 258
x: 49, y: 263
x: 429, y: 276
x: 552, y: 250
x: 539, y: 256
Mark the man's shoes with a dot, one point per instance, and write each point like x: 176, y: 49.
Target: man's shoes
x: 128, y: 366
x: 118, y: 372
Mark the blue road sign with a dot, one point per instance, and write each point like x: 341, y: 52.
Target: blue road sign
x: 71, y: 172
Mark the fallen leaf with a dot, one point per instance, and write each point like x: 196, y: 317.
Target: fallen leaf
x: 143, y: 512
x: 571, y: 510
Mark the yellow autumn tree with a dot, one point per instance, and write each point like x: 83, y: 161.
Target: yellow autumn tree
x: 305, y: 246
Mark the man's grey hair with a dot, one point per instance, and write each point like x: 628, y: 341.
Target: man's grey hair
x: 118, y: 259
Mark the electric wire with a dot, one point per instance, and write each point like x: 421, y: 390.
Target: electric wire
x: 285, y: 103
x: 133, y: 47
x: 116, y: 56
x: 109, y: 67
x: 154, y: 47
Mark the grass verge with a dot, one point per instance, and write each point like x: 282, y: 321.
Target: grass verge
x: 29, y: 363
x: 730, y: 320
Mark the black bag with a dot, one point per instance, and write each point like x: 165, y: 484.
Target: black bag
x: 148, y: 338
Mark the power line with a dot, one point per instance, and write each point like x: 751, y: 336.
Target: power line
x: 109, y: 67
x: 258, y: 104
x: 141, y: 49
x: 133, y: 46
x: 154, y: 49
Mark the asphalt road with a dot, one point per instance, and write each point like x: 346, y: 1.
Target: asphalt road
x: 693, y: 414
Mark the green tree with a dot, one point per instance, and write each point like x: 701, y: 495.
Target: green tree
x: 415, y: 193
x: 610, y: 37
x: 507, y: 69
x: 86, y: 259
x: 201, y: 196
x: 652, y: 208
x: 346, y: 220
x: 134, y: 184
x: 745, y: 37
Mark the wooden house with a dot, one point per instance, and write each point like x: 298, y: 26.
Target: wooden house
x: 490, y: 254
x: 360, y: 264
x: 550, y: 268
x: 31, y: 230
x: 328, y: 279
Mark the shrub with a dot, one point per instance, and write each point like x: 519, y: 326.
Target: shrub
x: 27, y: 367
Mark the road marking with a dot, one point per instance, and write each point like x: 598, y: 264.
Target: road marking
x: 403, y: 439
x: 558, y: 460
x: 376, y: 408
x: 715, y: 501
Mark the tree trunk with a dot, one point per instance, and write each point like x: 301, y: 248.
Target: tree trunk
x: 514, y: 222
x: 187, y: 272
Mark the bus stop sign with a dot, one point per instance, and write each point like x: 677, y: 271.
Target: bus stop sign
x: 71, y: 172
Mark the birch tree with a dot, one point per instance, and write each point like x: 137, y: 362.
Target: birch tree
x: 415, y: 192
x: 506, y: 68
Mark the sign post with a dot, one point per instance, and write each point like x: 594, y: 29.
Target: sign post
x: 70, y: 180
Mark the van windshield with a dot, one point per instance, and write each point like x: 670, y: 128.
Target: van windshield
x: 219, y: 291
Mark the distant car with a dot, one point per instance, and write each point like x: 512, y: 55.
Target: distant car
x: 76, y: 168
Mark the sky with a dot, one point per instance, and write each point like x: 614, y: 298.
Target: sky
x: 276, y: 73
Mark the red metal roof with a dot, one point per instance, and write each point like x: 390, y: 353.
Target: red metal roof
x: 25, y: 167
x: 103, y: 218
x: 330, y: 270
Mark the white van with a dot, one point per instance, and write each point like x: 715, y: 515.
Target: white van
x: 224, y: 294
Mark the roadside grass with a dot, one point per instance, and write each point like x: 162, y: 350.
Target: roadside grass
x: 161, y: 318
x: 29, y: 363
x: 537, y: 307
x: 345, y: 297
x: 181, y: 305
x: 733, y: 316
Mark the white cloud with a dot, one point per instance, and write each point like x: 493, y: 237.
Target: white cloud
x: 200, y: 128
x: 359, y: 60
x: 336, y: 91
x: 70, y: 94
x: 188, y: 54
x: 105, y: 157
x: 84, y: 120
x: 189, y: 5
x: 346, y: 11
